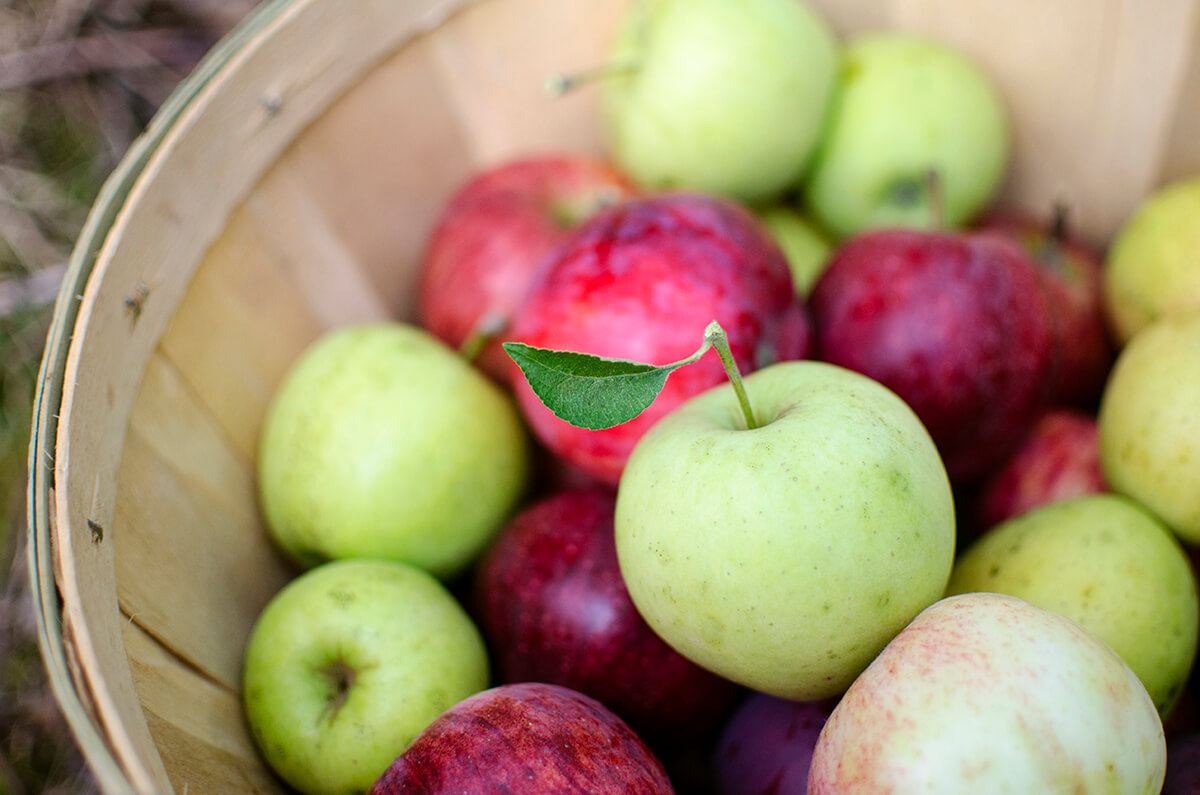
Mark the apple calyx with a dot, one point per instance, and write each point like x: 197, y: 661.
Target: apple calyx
x: 596, y: 392
x: 341, y: 677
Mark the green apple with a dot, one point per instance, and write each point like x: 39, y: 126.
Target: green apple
x: 806, y: 247
x: 1149, y: 425
x: 348, y: 663
x: 1153, y: 265
x: 382, y: 442
x: 720, y: 96
x: 988, y: 693
x: 785, y: 557
x: 1108, y: 564
x: 908, y: 105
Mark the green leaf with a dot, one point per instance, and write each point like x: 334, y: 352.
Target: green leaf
x: 589, y: 391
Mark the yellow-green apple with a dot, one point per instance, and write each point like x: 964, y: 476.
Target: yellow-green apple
x: 529, y: 738
x: 1058, y: 460
x: 492, y: 234
x: 1149, y: 424
x: 348, y: 663
x: 719, y: 96
x: 988, y: 692
x: 383, y: 442
x: 908, y: 105
x: 636, y: 281
x: 784, y: 557
x: 806, y: 247
x: 1153, y: 265
x: 957, y: 324
x: 1105, y: 562
x: 551, y: 603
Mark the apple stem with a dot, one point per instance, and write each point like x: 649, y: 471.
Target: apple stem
x: 937, y: 201
x: 561, y: 83
x: 486, y: 330
x: 714, y: 335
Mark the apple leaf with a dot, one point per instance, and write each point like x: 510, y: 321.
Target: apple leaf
x: 589, y: 391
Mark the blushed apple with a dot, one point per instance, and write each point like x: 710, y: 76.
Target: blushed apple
x: 727, y: 97
x: 784, y: 557
x: 348, y: 663
x: 1150, y: 269
x: 639, y: 281
x: 526, y: 739
x: 908, y: 105
x: 383, y: 442
x: 990, y: 693
x: 1108, y: 564
x: 1149, y: 425
x: 492, y: 234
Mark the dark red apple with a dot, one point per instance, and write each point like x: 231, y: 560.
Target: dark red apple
x: 956, y: 324
x: 494, y: 232
x: 641, y: 281
x: 1059, y: 459
x: 526, y: 739
x: 1072, y: 274
x: 767, y: 746
x: 1183, y: 765
x: 553, y: 606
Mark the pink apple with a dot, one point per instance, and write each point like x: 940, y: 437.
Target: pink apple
x: 494, y: 232
x: 956, y: 324
x: 554, y: 608
x: 1059, y: 459
x: 1071, y: 271
x: 642, y: 280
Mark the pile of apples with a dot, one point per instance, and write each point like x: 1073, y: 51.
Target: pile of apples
x: 909, y: 516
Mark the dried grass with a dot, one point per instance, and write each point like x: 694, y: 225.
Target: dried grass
x: 79, y: 79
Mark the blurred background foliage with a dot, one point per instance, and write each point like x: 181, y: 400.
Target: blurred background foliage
x: 79, y: 80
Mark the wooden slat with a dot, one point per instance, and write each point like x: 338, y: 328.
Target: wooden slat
x: 197, y: 725
x: 194, y: 567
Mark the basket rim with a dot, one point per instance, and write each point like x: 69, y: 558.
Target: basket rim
x: 48, y: 394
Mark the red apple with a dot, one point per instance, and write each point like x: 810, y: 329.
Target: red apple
x: 554, y: 608
x: 526, y: 739
x: 641, y: 281
x: 494, y: 232
x: 1183, y: 765
x: 1059, y: 459
x: 956, y: 324
x: 767, y: 746
x: 1071, y: 272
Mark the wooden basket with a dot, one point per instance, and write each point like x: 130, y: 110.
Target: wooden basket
x: 286, y: 188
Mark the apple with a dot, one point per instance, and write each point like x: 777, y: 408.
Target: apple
x: 956, y: 324
x: 989, y: 693
x: 637, y: 281
x: 784, y: 557
x: 1149, y: 426
x: 1150, y: 269
x: 494, y: 231
x: 383, y: 442
x: 526, y: 739
x: 1103, y: 561
x: 806, y: 247
x: 348, y: 663
x: 908, y: 105
x: 1183, y: 765
x: 727, y: 97
x: 553, y: 607
x: 1059, y: 459
x: 1072, y: 273
x: 767, y: 746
